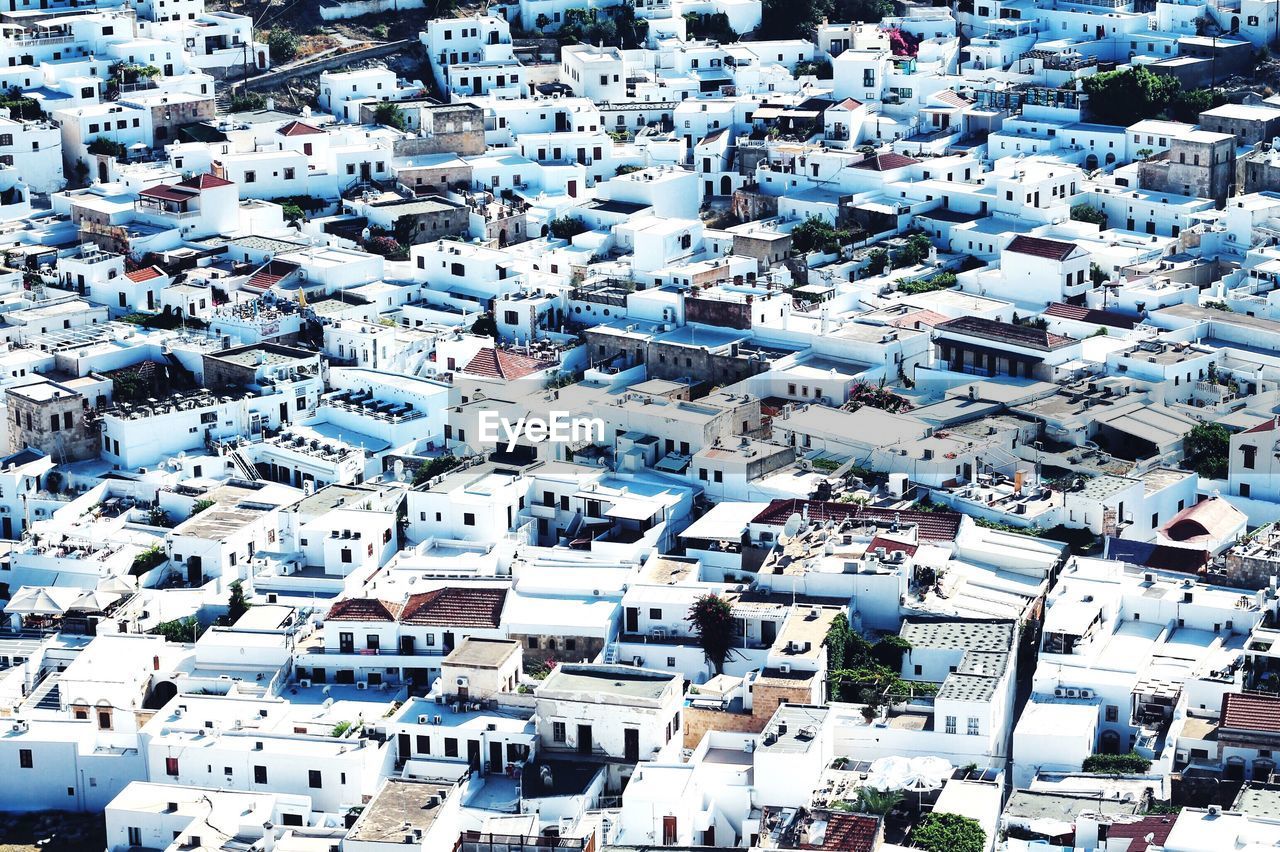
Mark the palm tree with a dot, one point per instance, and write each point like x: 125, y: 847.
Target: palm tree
x: 877, y: 802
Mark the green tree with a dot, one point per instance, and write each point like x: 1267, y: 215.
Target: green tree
x: 435, y: 467
x: 1088, y: 213
x: 877, y: 261
x: 177, y: 630
x: 1097, y: 275
x: 816, y: 234
x: 712, y: 620
x: 1123, y: 97
x: 566, y: 227
x: 915, y: 251
x: 283, y: 44
x: 103, y: 145
x: 200, y: 506
x: 236, y: 603
x: 1206, y: 450
x: 389, y: 114
x: 942, y: 832
x: 1187, y: 104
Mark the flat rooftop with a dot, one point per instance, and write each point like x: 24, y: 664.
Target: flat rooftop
x: 608, y: 680
x: 479, y: 653
x: 399, y: 808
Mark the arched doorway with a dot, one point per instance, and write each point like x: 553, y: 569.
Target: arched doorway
x: 1091, y: 162
x: 726, y: 185
x: 1111, y: 158
x: 1234, y: 770
x: 502, y: 237
x: 102, y: 171
x: 1109, y: 743
x: 163, y: 692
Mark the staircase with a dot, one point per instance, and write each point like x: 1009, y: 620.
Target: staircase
x: 46, y: 696
x: 247, y: 470
x: 610, y: 653
x: 222, y: 102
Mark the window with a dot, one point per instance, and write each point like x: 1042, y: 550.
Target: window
x: 313, y: 779
x: 468, y: 519
x: 1250, y: 455
x: 533, y: 642
x: 1113, y: 713
x: 135, y: 836
x: 655, y: 613
x: 973, y: 726
x: 951, y: 725
x: 288, y: 174
x: 1244, y: 489
x: 250, y: 177
x: 451, y: 747
x: 171, y: 766
x: 557, y: 732
x: 423, y: 745
x: 259, y: 774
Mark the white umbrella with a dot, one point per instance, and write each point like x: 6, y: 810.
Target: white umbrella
x: 888, y: 773
x: 933, y: 771
x: 120, y: 585
x: 41, y: 600
x: 94, y: 601
x: 1050, y: 827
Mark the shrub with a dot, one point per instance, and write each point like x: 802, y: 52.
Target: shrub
x: 1117, y: 764
x: 390, y: 115
x: 1089, y: 213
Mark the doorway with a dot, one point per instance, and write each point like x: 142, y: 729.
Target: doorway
x: 584, y: 739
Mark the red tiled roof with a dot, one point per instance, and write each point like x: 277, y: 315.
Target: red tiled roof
x: 165, y: 192
x: 363, y: 609
x: 1092, y: 316
x: 885, y: 162
x: 1006, y: 332
x: 1038, y: 247
x: 847, y: 103
x: 849, y: 833
x: 890, y: 545
x: 1159, y: 827
x: 916, y: 319
x: 930, y: 526
x: 145, y: 274
x: 500, y: 364
x: 1265, y: 426
x: 1251, y: 712
x: 204, y: 181
x: 1214, y: 518
x: 454, y: 607
x: 297, y: 128
x: 952, y: 98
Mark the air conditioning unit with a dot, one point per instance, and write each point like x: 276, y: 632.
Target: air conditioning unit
x: 20, y: 725
x: 305, y: 683
x: 1059, y: 692
x: 462, y: 680
x: 424, y: 719
x: 1073, y: 693
x: 1086, y: 693
x: 360, y: 684
x: 785, y: 668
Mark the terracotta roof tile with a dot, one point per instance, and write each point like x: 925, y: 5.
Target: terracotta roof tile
x: 1039, y: 247
x: 145, y: 274
x: 931, y: 526
x: 363, y: 609
x: 298, y: 128
x: 500, y: 364
x: 1092, y: 316
x: 849, y: 833
x: 455, y: 607
x: 204, y: 181
x: 885, y: 162
x: 1214, y: 518
x: 1160, y: 827
x: 1251, y: 712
